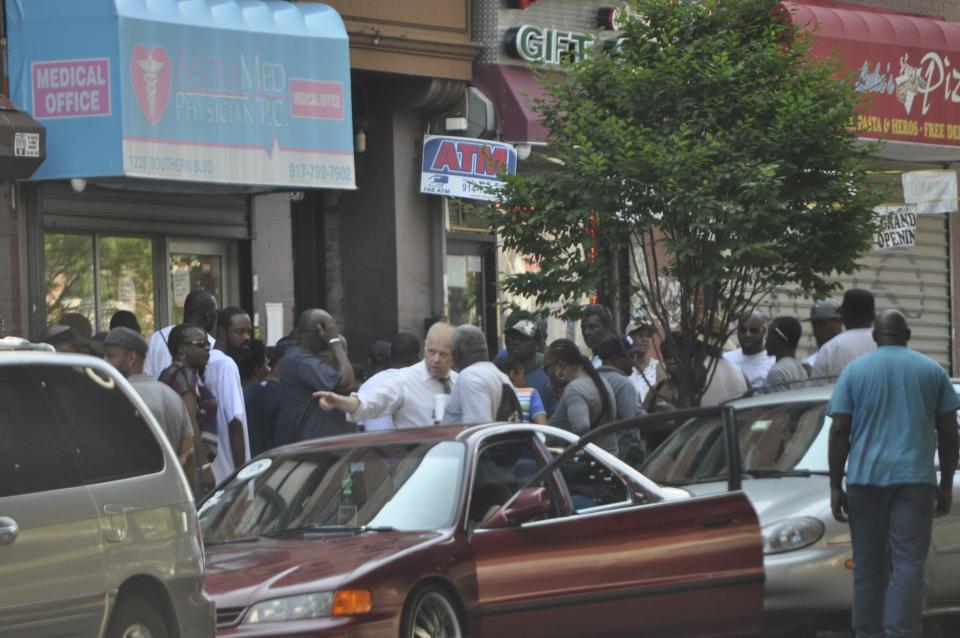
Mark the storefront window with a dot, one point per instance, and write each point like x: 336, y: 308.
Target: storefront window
x: 69, y: 270
x: 126, y: 279
x: 96, y: 275
x: 465, y: 289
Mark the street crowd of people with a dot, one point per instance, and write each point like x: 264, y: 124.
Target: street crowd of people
x: 222, y: 397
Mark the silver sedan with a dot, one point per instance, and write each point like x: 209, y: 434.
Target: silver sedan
x: 807, y: 554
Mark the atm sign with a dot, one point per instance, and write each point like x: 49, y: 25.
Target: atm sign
x: 464, y: 167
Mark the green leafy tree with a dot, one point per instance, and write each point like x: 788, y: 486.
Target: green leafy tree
x: 709, y: 151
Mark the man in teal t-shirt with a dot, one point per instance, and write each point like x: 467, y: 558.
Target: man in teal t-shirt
x: 892, y: 409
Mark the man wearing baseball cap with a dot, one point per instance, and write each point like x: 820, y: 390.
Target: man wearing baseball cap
x: 126, y: 351
x: 65, y: 339
x: 857, y: 314
x: 826, y: 324
x: 522, y: 339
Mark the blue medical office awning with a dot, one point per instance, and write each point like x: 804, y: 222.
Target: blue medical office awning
x: 218, y: 91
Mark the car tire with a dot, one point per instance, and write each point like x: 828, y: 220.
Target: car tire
x: 136, y: 618
x: 430, y: 613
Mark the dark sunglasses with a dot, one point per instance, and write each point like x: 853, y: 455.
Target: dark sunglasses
x: 198, y: 343
x: 754, y: 330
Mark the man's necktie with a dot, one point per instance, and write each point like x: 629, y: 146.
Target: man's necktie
x: 447, y: 386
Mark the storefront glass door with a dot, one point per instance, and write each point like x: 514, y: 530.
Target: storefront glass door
x: 465, y: 289
x: 471, y: 293
x: 95, y: 275
x: 195, y: 266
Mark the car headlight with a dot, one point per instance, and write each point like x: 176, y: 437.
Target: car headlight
x: 791, y: 533
x: 344, y: 602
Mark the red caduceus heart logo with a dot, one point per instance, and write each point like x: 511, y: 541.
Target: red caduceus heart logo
x: 150, y: 74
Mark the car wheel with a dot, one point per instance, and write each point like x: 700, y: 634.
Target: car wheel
x: 136, y: 618
x: 430, y: 613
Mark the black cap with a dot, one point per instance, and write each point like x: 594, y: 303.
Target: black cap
x: 613, y: 346
x: 126, y: 338
x: 59, y: 333
x: 522, y: 322
x: 275, y: 353
x: 380, y: 352
x: 857, y: 302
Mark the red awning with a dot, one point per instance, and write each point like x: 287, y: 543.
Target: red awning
x: 907, y: 66
x: 512, y: 90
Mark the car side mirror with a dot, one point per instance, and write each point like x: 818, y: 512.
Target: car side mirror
x: 526, y: 505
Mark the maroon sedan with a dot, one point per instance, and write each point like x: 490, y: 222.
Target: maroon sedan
x: 494, y: 530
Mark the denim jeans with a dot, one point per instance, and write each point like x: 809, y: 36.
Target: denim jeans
x: 889, y: 523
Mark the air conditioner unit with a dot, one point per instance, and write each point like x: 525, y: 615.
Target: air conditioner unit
x: 473, y: 116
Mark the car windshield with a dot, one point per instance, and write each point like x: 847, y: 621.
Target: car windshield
x: 775, y: 440
x: 406, y: 486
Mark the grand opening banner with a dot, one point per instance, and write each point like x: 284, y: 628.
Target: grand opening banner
x: 252, y: 93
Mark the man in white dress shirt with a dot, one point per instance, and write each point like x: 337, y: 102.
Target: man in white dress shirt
x: 751, y: 357
x: 411, y: 395
x: 404, y: 352
x: 857, y: 312
x: 222, y: 378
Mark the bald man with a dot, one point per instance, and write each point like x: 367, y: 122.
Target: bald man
x: 318, y: 361
x: 410, y: 396
x: 892, y: 409
x: 751, y: 357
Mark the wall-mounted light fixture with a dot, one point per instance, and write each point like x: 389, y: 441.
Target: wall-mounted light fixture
x: 361, y: 125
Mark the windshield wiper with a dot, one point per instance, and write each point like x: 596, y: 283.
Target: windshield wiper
x: 775, y: 473
x: 318, y: 528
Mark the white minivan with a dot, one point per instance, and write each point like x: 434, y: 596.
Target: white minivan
x: 98, y: 528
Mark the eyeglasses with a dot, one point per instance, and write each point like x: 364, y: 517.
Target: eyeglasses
x: 199, y: 343
x: 780, y: 332
x: 754, y: 330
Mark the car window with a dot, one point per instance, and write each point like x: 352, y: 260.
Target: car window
x: 502, y: 468
x: 772, y: 438
x: 410, y: 486
x: 110, y: 438
x: 35, y: 454
x: 589, y: 482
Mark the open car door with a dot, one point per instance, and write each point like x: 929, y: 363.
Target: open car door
x: 583, y: 550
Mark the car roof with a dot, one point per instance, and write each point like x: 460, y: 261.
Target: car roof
x: 18, y: 344
x: 401, y: 435
x: 45, y: 356
x: 815, y: 393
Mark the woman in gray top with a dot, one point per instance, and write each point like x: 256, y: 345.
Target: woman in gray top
x: 586, y: 400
